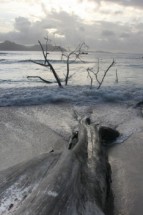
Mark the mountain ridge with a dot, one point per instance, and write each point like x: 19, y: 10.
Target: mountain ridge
x: 12, y: 46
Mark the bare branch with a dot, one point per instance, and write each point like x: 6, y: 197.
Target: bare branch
x: 117, y: 79
x: 44, y: 55
x: 47, y: 63
x: 47, y: 82
x: 41, y: 64
x: 91, y: 70
x: 113, y: 62
x: 91, y: 79
x: 76, y: 54
x: 70, y: 76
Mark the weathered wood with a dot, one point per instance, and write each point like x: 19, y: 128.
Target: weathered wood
x: 75, y: 182
x: 108, y: 135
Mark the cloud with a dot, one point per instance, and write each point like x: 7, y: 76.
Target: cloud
x: 25, y: 1
x: 135, y: 3
x: 131, y: 3
x: 69, y: 30
x: 22, y: 24
x: 108, y: 33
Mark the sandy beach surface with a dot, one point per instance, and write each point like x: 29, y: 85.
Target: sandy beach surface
x: 26, y: 132
x: 127, y: 175
x: 24, y: 136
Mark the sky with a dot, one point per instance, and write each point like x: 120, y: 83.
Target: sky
x: 107, y: 25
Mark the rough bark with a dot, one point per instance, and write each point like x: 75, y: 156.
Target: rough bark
x: 74, y: 182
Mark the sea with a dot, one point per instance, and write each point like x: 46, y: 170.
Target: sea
x: 17, y: 89
x: 122, y: 88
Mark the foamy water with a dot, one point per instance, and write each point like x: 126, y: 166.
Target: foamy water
x: 113, y: 104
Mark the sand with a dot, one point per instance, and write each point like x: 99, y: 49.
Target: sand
x: 127, y: 175
x: 25, y: 134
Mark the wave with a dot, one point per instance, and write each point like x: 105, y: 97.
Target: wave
x: 2, y: 60
x: 3, y: 53
x: 51, y: 94
x: 5, y: 61
x: 135, y: 66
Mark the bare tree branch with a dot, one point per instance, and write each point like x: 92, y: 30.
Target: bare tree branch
x: 41, y: 64
x: 47, y: 82
x: 47, y: 62
x: 91, y: 79
x: 96, y: 73
x: 76, y: 54
x: 117, y: 79
x: 113, y: 62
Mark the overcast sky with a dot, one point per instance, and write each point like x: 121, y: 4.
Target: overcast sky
x: 110, y: 25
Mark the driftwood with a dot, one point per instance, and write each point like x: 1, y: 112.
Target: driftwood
x: 75, y: 182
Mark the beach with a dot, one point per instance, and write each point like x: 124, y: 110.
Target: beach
x: 37, y: 119
x: 127, y: 175
x: 28, y: 132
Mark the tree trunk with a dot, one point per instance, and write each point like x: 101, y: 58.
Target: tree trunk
x: 74, y: 182
x: 55, y: 75
x: 67, y: 75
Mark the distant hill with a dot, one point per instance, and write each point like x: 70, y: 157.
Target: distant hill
x: 99, y: 51
x: 11, y: 46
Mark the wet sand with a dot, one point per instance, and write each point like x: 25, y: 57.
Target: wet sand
x: 75, y: 181
x: 127, y: 175
x: 23, y: 136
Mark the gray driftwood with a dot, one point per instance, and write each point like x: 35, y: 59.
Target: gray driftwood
x: 75, y: 182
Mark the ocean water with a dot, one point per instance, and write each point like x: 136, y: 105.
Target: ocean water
x: 113, y: 104
x: 16, y: 66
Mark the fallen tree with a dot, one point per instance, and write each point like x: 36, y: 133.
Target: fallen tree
x: 76, y: 181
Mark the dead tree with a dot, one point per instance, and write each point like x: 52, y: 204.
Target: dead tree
x: 74, y: 55
x: 47, y: 64
x: 91, y: 79
x: 91, y: 70
x: 117, y: 79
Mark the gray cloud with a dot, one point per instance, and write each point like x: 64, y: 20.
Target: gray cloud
x: 100, y: 35
x: 25, y: 1
x: 125, y: 35
x: 108, y: 33
x: 134, y: 3
x: 22, y: 24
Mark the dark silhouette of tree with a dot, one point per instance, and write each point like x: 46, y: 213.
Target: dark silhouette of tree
x: 72, y: 56
x: 91, y: 71
x: 47, y: 64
